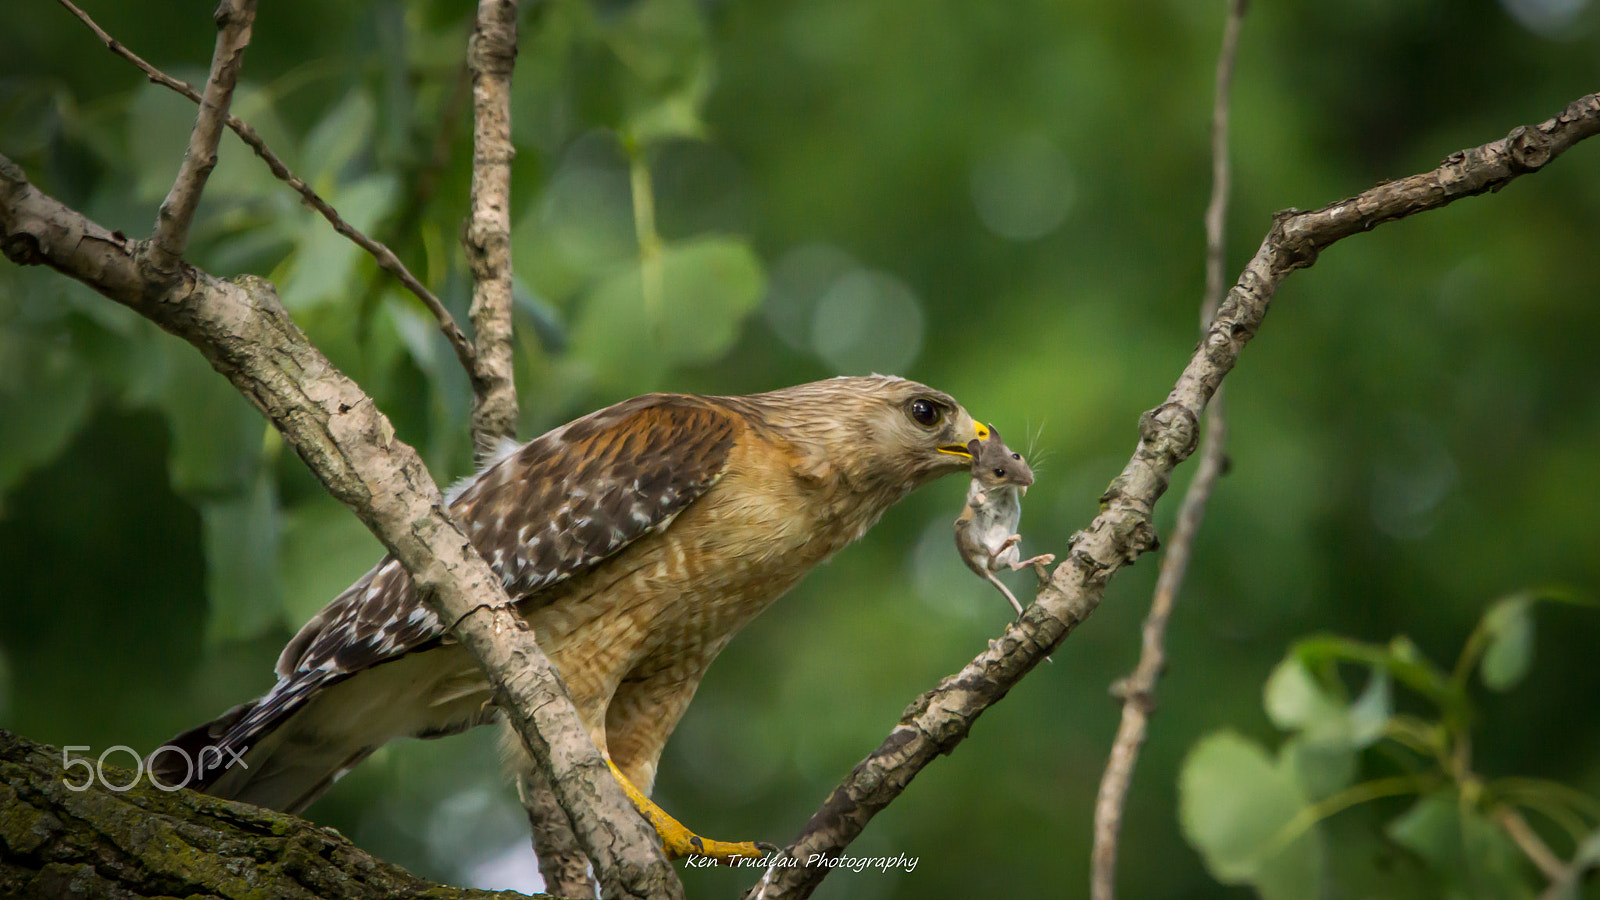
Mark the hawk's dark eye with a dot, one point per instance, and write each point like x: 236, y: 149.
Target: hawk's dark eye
x: 924, y: 412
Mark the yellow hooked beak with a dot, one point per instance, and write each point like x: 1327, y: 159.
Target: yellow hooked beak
x: 980, y: 432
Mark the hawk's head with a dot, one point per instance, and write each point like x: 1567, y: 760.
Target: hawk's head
x: 878, y: 433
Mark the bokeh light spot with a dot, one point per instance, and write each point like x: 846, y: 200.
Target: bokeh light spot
x: 1023, y: 189
x: 868, y: 321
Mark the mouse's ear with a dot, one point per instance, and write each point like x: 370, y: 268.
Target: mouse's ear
x: 972, y: 447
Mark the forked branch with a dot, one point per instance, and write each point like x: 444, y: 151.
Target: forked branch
x: 938, y: 720
x: 381, y: 254
x: 164, y: 251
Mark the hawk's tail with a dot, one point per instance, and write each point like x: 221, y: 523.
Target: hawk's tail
x: 251, y: 753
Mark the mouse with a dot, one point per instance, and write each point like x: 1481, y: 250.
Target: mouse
x: 986, y: 530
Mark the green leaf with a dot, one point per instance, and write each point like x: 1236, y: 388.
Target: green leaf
x: 712, y: 284
x: 336, y: 140
x: 241, y: 544
x: 1400, y: 658
x: 323, y: 550
x: 1368, y: 717
x: 1296, y: 700
x: 664, y: 51
x: 159, y: 122
x: 216, y: 433
x: 46, y: 394
x: 31, y: 113
x: 672, y: 115
x: 239, y: 172
x: 709, y: 286
x: 1468, y: 853
x: 1243, y: 813
x: 1320, y: 768
x: 1508, y: 627
x: 325, y: 261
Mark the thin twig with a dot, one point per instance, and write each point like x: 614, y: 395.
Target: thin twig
x: 1137, y: 691
x: 382, y: 254
x: 1533, y: 846
x: 940, y: 719
x: 170, y: 237
x: 652, y: 273
x: 491, y: 55
x: 1585, y: 858
x: 422, y: 182
x: 242, y: 328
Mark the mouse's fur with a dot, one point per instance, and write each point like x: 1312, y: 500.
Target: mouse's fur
x: 986, y: 530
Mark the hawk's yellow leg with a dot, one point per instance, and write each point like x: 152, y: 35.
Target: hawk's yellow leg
x: 678, y: 841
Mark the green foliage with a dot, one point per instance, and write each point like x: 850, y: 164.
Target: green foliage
x: 1242, y: 810
x: 1002, y: 200
x: 1262, y: 822
x: 631, y: 339
x: 615, y: 334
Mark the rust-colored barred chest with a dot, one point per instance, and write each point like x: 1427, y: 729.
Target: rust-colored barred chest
x: 672, y: 600
x: 636, y: 540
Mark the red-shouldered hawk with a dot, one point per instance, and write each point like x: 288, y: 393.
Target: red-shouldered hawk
x: 636, y: 541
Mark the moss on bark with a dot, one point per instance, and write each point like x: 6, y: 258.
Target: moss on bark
x: 56, y: 842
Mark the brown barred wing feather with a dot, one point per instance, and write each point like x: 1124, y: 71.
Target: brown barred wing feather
x: 554, y: 508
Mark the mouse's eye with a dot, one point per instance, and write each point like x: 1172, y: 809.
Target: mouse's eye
x: 1016, y: 456
x: 924, y: 412
x: 999, y: 473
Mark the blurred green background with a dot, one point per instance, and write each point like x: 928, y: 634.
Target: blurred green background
x: 1001, y: 200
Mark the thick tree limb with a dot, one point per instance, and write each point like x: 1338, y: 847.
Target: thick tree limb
x: 491, y: 55
x: 245, y: 333
x: 58, y: 843
x: 940, y: 719
x: 489, y: 365
x: 562, y: 863
x: 385, y: 258
x: 1137, y: 691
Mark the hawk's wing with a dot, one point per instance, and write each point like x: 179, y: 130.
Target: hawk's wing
x: 554, y: 508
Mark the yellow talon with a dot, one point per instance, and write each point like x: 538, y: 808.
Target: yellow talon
x: 678, y: 841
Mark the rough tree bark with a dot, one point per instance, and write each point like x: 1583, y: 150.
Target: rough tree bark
x: 244, y: 332
x: 58, y: 842
x: 178, y: 841
x: 248, y: 337
x: 940, y: 719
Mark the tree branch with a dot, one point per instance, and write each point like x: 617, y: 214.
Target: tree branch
x: 1137, y: 691
x: 562, y: 862
x: 1529, y: 842
x: 245, y: 333
x: 56, y: 841
x: 164, y: 251
x: 938, y: 720
x: 385, y: 258
x: 491, y: 55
